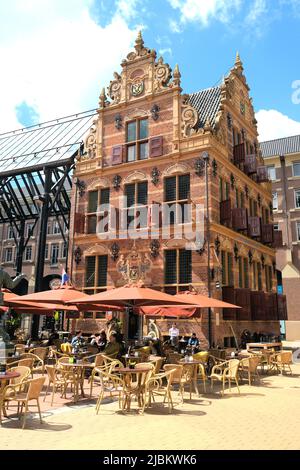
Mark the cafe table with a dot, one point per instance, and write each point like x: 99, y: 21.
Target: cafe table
x: 131, y: 388
x: 194, y: 375
x: 78, y: 370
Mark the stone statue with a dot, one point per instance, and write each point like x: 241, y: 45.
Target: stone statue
x: 153, y: 332
x: 8, y: 283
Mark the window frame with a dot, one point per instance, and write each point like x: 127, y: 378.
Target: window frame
x: 95, y: 288
x: 294, y: 164
x: 7, y: 250
x: 298, y: 231
x: 275, y: 207
x: 179, y: 203
x: 99, y: 215
x: 270, y: 168
x: 51, y: 254
x: 26, y: 251
x: 138, y: 141
x: 136, y: 207
x: 295, y: 198
x: 178, y: 285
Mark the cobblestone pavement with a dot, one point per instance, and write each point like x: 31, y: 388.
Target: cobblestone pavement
x: 265, y: 416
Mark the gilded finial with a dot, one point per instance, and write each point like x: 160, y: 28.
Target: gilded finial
x: 139, y: 42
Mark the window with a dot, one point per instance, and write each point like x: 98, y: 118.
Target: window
x: 297, y: 198
x: 54, y: 253
x: 10, y: 232
x: 243, y: 273
x: 97, y: 216
x: 29, y: 230
x: 136, y: 205
x: 296, y: 169
x: 49, y: 228
x: 46, y: 251
x: 227, y: 269
x: 271, y: 173
x: 28, y: 253
x: 96, y: 272
x: 275, y: 201
x: 176, y: 195
x: 298, y: 230
x: 276, y: 227
x: 259, y: 277
x: 64, y: 250
x: 178, y: 268
x: 8, y: 255
x: 137, y: 140
x: 268, y: 276
x: 55, y: 228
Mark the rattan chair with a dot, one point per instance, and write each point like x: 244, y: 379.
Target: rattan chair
x: 102, y: 367
x: 226, y: 372
x: 136, y: 388
x: 12, y: 393
x: 38, y: 363
x: 249, y: 365
x: 159, y: 385
x: 282, y: 361
x: 20, y: 348
x: 58, y: 381
x: 111, y: 384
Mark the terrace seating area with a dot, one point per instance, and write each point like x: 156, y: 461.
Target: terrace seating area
x: 47, y: 378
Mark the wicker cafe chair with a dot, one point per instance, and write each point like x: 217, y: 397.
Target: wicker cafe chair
x: 96, y: 375
x: 23, y: 363
x: 58, y: 381
x: 226, y: 372
x: 173, y: 357
x: 20, y: 349
x: 23, y: 398
x: 249, y: 365
x: 111, y: 384
x: 282, y: 361
x: 155, y: 387
x: 158, y: 363
x: 136, y: 388
x: 38, y: 363
x: 176, y: 376
x: 201, y: 374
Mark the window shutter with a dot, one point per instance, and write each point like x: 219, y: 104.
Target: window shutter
x: 130, y: 194
x: 185, y: 266
x: 117, y: 155
x: 254, y: 229
x: 262, y: 174
x: 93, y: 201
x: 239, y: 218
x: 79, y: 222
x: 104, y: 196
x: 250, y: 164
x: 102, y: 270
x: 170, y: 189
x: 239, y: 153
x: 142, y: 193
x: 242, y: 299
x: 267, y: 233
x: 170, y: 267
x: 225, y: 212
x: 90, y: 271
x: 156, y: 146
x: 184, y: 187
x: 278, y: 241
x: 228, y: 295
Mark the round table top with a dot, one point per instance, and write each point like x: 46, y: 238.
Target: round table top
x: 187, y: 363
x: 9, y: 375
x: 128, y: 370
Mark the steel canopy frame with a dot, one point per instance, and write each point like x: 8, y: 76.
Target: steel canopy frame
x: 36, y: 166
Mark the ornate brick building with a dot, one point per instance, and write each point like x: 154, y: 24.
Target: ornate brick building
x: 147, y: 143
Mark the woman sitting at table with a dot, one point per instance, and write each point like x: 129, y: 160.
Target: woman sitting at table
x: 113, y: 347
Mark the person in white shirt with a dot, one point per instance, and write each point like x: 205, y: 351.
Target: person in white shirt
x: 174, y: 335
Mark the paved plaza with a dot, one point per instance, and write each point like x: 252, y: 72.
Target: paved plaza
x: 265, y: 416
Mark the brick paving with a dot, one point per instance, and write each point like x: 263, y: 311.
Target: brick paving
x: 264, y: 416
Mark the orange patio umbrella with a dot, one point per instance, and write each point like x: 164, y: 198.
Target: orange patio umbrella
x: 132, y: 295
x: 200, y: 301
x: 59, y: 295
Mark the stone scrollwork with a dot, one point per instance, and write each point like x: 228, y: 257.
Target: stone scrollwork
x: 91, y: 142
x: 162, y: 74
x: 189, y: 119
x: 114, y: 89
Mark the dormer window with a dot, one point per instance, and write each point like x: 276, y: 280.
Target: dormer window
x: 137, y: 140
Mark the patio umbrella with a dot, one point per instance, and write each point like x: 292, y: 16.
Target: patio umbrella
x: 132, y: 295
x: 20, y: 306
x: 201, y: 301
x: 60, y: 295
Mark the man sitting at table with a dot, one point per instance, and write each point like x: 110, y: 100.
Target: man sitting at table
x: 113, y: 347
x: 77, y: 341
x: 194, y: 342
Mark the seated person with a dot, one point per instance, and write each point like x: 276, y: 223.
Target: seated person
x: 102, y: 342
x: 78, y: 341
x: 113, y: 347
x: 194, y: 342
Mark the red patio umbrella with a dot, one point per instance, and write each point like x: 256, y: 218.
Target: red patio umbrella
x: 59, y: 295
x: 132, y: 295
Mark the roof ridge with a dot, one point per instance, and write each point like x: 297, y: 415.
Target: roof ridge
x: 280, y: 138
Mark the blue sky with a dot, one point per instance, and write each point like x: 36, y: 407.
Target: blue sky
x: 55, y: 63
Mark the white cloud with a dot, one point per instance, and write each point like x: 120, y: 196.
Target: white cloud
x: 166, y: 50
x: 127, y: 8
x: 55, y: 57
x: 203, y: 11
x: 258, y: 9
x: 272, y: 124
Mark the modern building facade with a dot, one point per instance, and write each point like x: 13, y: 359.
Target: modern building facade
x: 282, y: 157
x: 165, y: 151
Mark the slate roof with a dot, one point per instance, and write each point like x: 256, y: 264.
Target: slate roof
x: 207, y: 103
x: 278, y: 147
x: 49, y: 142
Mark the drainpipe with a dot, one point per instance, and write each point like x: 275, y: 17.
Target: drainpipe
x: 284, y: 201
x: 205, y: 157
